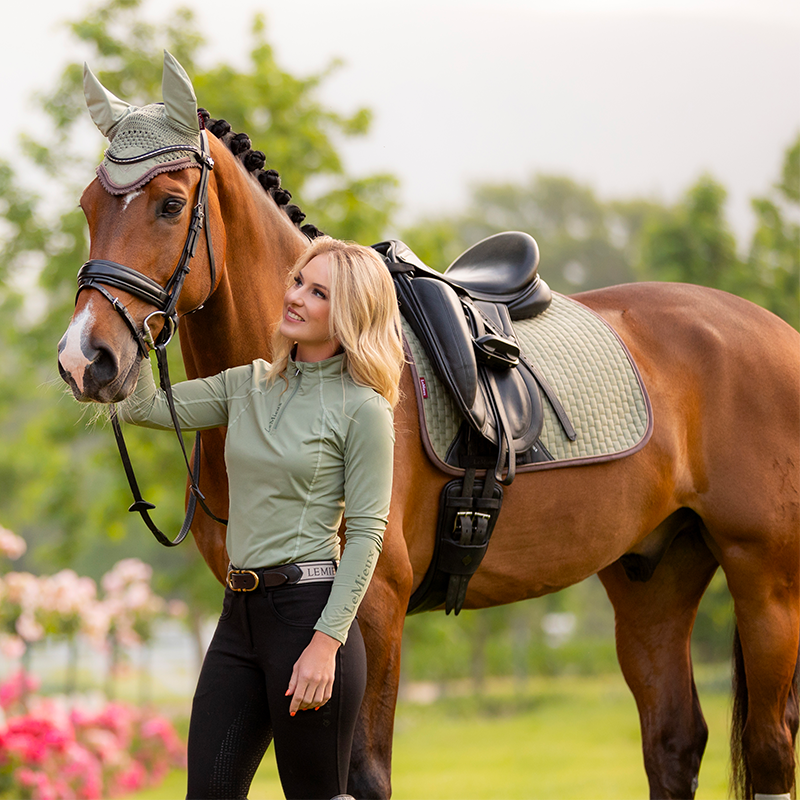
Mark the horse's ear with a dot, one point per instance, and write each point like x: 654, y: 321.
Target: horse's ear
x: 106, y: 109
x: 178, y: 94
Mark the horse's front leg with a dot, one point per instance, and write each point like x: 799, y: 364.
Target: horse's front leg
x: 654, y: 623
x: 381, y: 618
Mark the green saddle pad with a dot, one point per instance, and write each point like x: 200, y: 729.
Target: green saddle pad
x: 591, y: 373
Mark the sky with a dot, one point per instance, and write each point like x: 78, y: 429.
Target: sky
x: 633, y: 97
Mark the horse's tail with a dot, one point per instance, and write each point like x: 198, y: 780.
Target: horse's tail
x: 740, y: 775
x: 741, y: 780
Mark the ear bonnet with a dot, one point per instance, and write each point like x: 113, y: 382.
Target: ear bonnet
x: 158, y: 129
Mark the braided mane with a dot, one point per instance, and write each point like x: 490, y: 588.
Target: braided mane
x: 254, y: 160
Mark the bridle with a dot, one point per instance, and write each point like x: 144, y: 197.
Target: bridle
x: 98, y: 273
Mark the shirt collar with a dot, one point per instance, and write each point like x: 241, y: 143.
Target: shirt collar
x: 329, y: 367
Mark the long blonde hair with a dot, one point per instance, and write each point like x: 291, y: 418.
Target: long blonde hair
x: 364, y: 316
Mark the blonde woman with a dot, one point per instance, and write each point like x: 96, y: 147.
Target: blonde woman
x: 310, y: 438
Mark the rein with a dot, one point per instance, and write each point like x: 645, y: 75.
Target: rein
x: 98, y: 273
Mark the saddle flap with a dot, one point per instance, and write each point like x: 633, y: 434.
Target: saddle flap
x: 472, y: 347
x: 439, y: 309
x: 516, y: 390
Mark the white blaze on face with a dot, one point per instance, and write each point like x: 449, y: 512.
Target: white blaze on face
x: 72, y: 357
x: 126, y: 201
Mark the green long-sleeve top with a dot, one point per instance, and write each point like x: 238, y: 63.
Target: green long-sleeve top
x: 298, y: 457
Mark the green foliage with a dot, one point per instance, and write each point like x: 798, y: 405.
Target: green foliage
x: 512, y: 640
x: 712, y: 637
x: 775, y: 251
x: 692, y: 242
x: 283, y: 112
x: 576, y: 232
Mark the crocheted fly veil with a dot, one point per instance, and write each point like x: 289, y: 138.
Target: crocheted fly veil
x: 133, y: 131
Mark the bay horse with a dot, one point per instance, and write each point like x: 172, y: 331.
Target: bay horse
x: 717, y: 484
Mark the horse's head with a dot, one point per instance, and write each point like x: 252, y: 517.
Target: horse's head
x: 146, y: 213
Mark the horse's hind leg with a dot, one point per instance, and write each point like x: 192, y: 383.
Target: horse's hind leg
x: 654, y: 621
x: 763, y: 577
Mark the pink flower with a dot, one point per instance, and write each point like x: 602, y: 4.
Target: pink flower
x: 17, y: 687
x: 11, y: 545
x: 21, y: 588
x: 12, y: 646
x: 177, y: 609
x: 125, y: 572
x: 28, y: 627
x: 132, y: 779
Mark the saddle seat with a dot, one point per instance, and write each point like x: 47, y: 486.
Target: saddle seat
x: 503, y: 269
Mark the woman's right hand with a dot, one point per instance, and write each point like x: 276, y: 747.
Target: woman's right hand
x: 311, y: 684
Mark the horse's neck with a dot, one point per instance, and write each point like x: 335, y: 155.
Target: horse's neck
x: 261, y: 244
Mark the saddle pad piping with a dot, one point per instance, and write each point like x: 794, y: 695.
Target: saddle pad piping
x: 422, y: 389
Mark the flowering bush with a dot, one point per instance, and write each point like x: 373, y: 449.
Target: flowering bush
x: 19, y: 619
x: 64, y: 600
x: 11, y: 545
x: 15, y: 690
x: 65, y: 604
x: 16, y: 616
x: 129, y: 601
x: 57, y: 752
x: 42, y: 760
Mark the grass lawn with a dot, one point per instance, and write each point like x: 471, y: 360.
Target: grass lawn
x: 558, y: 738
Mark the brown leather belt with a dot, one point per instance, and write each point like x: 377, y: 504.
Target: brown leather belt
x: 246, y: 580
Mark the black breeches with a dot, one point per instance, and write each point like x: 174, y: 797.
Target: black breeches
x: 240, y: 703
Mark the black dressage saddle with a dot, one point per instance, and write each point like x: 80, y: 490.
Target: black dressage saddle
x: 463, y: 319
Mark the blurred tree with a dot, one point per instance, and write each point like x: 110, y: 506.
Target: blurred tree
x: 712, y: 636
x: 64, y: 488
x: 513, y: 640
x: 692, y: 241
x: 577, y: 234
x: 774, y: 258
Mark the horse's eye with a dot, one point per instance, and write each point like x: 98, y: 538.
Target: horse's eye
x: 172, y: 207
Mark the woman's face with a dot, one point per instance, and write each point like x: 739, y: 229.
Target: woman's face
x: 307, y: 310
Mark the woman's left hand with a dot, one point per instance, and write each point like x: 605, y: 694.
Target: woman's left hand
x: 311, y: 684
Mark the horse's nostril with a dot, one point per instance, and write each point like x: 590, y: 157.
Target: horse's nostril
x: 103, y: 367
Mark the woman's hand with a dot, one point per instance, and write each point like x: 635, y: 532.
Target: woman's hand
x: 311, y: 684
